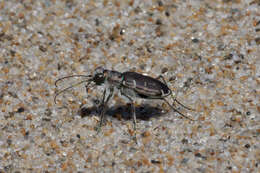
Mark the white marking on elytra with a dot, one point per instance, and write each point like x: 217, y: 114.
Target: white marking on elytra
x: 145, y: 84
x: 164, y: 94
x: 134, y: 83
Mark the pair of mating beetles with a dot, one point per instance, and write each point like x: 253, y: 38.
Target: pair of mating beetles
x: 130, y: 84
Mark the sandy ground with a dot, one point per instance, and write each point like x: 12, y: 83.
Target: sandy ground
x: 207, y: 51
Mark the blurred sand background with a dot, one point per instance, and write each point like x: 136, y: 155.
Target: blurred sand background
x: 208, y: 51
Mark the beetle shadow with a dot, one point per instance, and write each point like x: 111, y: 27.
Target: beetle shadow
x: 143, y: 112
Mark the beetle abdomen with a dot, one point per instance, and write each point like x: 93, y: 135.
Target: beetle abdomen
x: 145, y: 86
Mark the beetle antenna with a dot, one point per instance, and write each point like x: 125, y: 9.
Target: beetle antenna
x: 65, y: 89
x: 177, y: 110
x: 78, y: 75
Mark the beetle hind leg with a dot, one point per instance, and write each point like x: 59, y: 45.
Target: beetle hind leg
x: 174, y: 96
x: 174, y: 109
x: 163, y: 80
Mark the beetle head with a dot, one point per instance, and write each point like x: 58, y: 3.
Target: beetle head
x: 99, y: 76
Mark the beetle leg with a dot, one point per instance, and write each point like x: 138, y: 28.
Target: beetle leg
x: 177, y: 101
x: 133, y: 113
x: 186, y: 107
x: 87, y: 86
x: 101, y: 115
x: 174, y: 109
x: 174, y: 97
x: 104, y: 107
x: 163, y: 80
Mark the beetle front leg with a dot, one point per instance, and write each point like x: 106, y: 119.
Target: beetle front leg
x: 104, y: 108
x: 87, y: 86
x: 101, y: 115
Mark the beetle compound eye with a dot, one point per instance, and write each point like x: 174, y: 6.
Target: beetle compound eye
x: 99, y: 79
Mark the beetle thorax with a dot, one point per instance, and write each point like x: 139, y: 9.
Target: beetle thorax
x: 114, y: 78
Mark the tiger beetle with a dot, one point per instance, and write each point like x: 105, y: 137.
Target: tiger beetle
x: 130, y: 84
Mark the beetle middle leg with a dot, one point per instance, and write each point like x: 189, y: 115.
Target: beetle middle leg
x: 124, y: 93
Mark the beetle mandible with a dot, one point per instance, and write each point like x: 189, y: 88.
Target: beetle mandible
x: 131, y: 85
